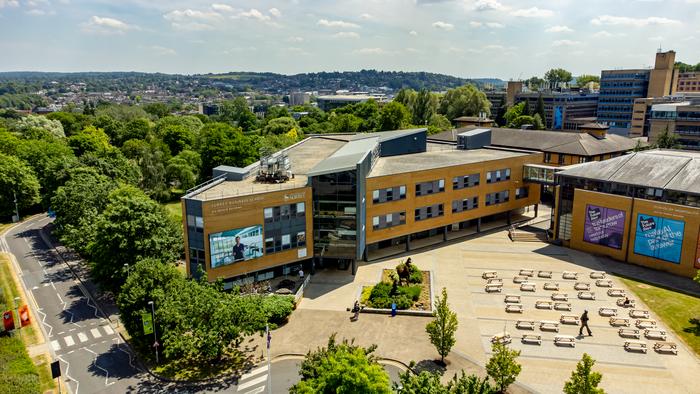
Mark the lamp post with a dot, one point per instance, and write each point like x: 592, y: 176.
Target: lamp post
x: 17, y: 300
x: 155, y: 336
x: 16, y: 206
x: 126, y: 268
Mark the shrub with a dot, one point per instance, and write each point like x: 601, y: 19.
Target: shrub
x: 278, y: 308
x: 416, y: 275
x: 382, y: 297
x: 380, y: 290
x: 412, y: 292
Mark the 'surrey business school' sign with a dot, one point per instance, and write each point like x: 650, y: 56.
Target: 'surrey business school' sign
x: 604, y: 226
x: 660, y: 238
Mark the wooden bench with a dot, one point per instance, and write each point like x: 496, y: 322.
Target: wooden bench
x: 570, y: 319
x: 607, y: 312
x: 639, y: 313
x: 494, y: 281
x: 597, y: 275
x: 494, y: 288
x: 489, y: 274
x: 543, y: 304
x: 586, y: 295
x: 501, y: 337
x: 618, y: 322
x: 565, y: 340
x: 569, y: 275
x: 582, y: 286
x: 512, y: 298
x: 549, y: 325
x: 616, y: 292
x: 639, y: 346
x: 544, y: 274
x: 551, y: 286
x: 532, y: 338
x: 519, y: 279
x: 562, y: 306
x: 621, y: 302
x: 560, y: 297
x: 527, y: 272
x: 528, y: 286
x: 629, y: 333
x: 525, y: 324
x: 655, y: 334
x: 514, y: 308
x: 645, y: 323
x: 603, y: 283
x: 669, y: 347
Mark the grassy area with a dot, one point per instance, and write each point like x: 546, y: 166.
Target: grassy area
x: 4, y: 226
x: 679, y: 311
x: 18, y: 374
x: 174, y: 209
x: 43, y: 365
x: 9, y: 289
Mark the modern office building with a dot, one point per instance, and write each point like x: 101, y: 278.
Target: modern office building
x: 339, y: 199
x: 641, y: 116
x: 330, y: 102
x: 688, y: 82
x: 620, y: 88
x: 299, y: 98
x: 562, y: 108
x: 681, y: 119
x: 642, y: 208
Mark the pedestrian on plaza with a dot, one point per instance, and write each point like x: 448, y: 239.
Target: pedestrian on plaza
x: 301, y: 274
x: 356, y: 311
x: 584, y: 323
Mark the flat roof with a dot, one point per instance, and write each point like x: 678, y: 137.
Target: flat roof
x: 673, y: 170
x: 437, y: 159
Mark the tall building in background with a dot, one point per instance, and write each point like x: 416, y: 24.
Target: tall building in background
x: 620, y: 88
x: 299, y: 98
x: 688, y: 82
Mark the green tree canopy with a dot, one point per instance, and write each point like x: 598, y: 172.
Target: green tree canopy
x: 557, y: 75
x: 429, y: 383
x: 438, y: 123
x: 424, y: 107
x: 17, y: 179
x: 407, y: 97
x: 585, y: 79
x: 90, y: 139
x: 443, y: 327
x: 151, y: 157
x: 393, y: 116
x: 667, y: 140
x: 583, y: 380
x: 29, y: 123
x: 513, y: 112
x: 503, y: 367
x: 71, y: 122
x: 220, y: 143
x: 280, y: 125
x: 237, y: 113
x: 159, y: 110
x: 465, y: 100
x: 183, y: 170
x: 341, y: 368
x: 113, y: 164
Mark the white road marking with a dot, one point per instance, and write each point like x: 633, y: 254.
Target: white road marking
x: 55, y: 346
x: 94, y: 361
x: 35, y: 287
x: 69, y: 340
x: 253, y: 382
x: 82, y: 337
x: 256, y: 390
x: 254, y: 372
x: 43, y: 321
x: 108, y: 330
x: 77, y: 384
x: 95, y: 333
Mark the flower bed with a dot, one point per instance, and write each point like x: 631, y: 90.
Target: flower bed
x: 406, y: 286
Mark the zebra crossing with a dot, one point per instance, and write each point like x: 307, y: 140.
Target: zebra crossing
x: 67, y: 341
x: 254, y: 381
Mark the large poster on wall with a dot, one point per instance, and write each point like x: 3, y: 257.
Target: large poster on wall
x: 659, y: 238
x: 604, y: 226
x: 232, y: 246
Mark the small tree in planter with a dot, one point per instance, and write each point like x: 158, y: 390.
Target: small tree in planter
x: 443, y: 328
x: 502, y: 366
x: 583, y: 379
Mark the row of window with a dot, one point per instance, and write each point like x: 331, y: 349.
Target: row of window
x: 389, y: 220
x: 285, y: 241
x: 498, y: 175
x: 429, y: 212
x: 431, y: 187
x: 389, y: 194
x: 284, y: 212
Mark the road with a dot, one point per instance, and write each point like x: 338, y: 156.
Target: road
x: 92, y: 355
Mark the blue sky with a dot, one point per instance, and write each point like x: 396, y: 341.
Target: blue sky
x: 468, y: 38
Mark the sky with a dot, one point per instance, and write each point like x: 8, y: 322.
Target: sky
x: 507, y: 39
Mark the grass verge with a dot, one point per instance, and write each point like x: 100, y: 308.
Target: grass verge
x: 18, y: 374
x: 43, y: 366
x: 9, y: 289
x: 680, y: 312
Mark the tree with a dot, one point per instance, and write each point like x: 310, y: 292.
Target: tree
x: 17, y: 180
x: 159, y: 110
x: 220, y: 143
x: 90, y: 139
x: 114, y: 165
x: 424, y: 107
x: 526, y: 107
x: 31, y: 122
x: 667, y: 140
x: 72, y: 123
x: 538, y: 122
x: 465, y: 100
x: 132, y: 227
x: 237, y: 113
x: 438, y: 123
x: 341, y: 368
x: 151, y: 157
x: 182, y: 170
x: 443, y: 327
x: 280, y: 125
x: 585, y: 79
x: 513, y: 112
x: 345, y: 123
x: 534, y: 83
x: 177, y: 138
x: 429, y: 383
x: 407, y: 97
x: 276, y: 111
x: 540, y: 108
x: 502, y: 366
x: 583, y: 380
x: 557, y: 75
x: 393, y: 116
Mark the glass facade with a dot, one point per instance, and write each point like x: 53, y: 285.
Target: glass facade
x: 618, y: 90
x: 335, y: 214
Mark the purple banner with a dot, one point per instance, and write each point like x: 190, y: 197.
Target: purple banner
x: 604, y: 226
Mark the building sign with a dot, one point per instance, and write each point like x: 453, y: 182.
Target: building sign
x: 604, y: 226
x: 658, y: 237
x: 232, y: 246
x: 558, y: 121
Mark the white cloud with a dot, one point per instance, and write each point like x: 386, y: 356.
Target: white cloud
x: 443, y: 25
x: 559, y: 29
x: 255, y: 14
x: 495, y: 25
x: 189, y: 19
x: 413, y: 33
x: 636, y: 22
x: 295, y: 39
x: 162, y: 51
x: 489, y: 5
x: 9, y: 3
x: 366, y: 16
x: 106, y: 25
x: 346, y: 34
x: 565, y: 43
x: 222, y: 7
x: 602, y: 34
x: 532, y: 12
x: 371, y: 51
x: 475, y: 24
x: 275, y: 12
x: 339, y: 24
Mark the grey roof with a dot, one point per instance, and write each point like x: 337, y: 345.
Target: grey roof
x: 570, y: 143
x: 437, y: 159
x: 660, y: 169
x: 345, y: 158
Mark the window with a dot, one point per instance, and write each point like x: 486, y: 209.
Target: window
x: 561, y: 158
x: 375, y: 195
x: 431, y: 211
x: 497, y: 198
x: 388, y: 220
x: 283, y: 226
x: 402, y: 191
x: 301, y: 208
x: 432, y: 187
x: 465, y: 205
x: 389, y: 194
x: 498, y: 175
x: 461, y: 182
x: 286, y: 241
x: 269, y: 245
x: 547, y: 157
x: 522, y: 192
x: 301, y: 239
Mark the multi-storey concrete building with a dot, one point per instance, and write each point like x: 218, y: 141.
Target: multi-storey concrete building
x: 688, y: 82
x: 681, y: 119
x: 562, y: 108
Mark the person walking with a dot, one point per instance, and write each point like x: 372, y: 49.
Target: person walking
x: 584, y: 323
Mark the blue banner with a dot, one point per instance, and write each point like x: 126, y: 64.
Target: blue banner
x: 659, y: 238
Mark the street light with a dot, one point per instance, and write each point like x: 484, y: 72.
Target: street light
x: 16, y: 207
x: 155, y: 336
x: 126, y: 268
x: 17, y: 300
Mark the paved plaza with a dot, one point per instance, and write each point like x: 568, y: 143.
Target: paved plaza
x: 458, y: 266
